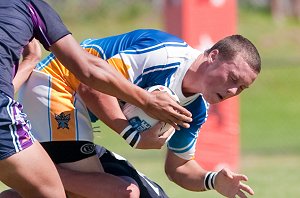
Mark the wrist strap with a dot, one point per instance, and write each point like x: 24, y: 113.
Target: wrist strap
x: 209, y: 180
x: 131, y: 136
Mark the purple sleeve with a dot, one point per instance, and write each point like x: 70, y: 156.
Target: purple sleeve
x: 48, y: 26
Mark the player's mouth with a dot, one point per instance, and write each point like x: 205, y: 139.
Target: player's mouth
x: 220, y: 96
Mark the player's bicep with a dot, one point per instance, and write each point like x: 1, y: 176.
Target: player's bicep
x: 183, y: 143
x: 172, y: 162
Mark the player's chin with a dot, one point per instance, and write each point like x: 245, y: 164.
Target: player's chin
x: 212, y: 100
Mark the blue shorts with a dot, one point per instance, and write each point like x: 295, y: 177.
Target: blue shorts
x: 15, y: 132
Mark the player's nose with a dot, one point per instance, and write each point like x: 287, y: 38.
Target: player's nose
x: 232, y: 91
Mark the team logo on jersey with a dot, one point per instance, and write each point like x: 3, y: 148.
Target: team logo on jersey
x: 138, y: 124
x: 62, y: 120
x: 88, y: 148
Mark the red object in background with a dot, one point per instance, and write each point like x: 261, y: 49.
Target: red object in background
x: 201, y: 23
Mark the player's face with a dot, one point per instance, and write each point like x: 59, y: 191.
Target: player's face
x: 226, y: 79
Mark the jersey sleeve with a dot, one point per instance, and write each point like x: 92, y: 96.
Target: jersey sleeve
x: 48, y: 26
x: 51, y: 65
x: 183, y: 142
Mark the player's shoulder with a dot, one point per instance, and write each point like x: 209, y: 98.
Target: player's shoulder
x: 157, y: 35
x: 158, y: 39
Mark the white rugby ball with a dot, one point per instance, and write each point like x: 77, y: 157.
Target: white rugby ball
x: 139, y: 119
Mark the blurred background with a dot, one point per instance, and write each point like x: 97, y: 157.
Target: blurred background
x: 269, y: 125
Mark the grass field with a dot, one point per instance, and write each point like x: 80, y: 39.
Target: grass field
x: 270, y: 154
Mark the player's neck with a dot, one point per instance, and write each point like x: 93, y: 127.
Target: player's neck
x: 192, y: 80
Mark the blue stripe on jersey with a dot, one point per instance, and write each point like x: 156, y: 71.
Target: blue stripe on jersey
x: 192, y: 141
x: 157, y: 78
x: 198, y: 108
x: 162, y: 45
x: 159, y: 74
x: 161, y: 66
x: 49, y: 111
x: 141, y: 41
x: 41, y: 65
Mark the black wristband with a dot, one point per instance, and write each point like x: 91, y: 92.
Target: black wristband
x: 209, y: 180
x: 131, y: 136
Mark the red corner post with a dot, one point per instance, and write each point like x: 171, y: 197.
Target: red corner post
x: 201, y: 23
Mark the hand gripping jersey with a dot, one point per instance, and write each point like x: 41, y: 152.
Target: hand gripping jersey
x: 144, y: 57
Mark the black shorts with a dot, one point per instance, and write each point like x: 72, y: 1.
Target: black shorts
x: 69, y: 151
x: 121, y: 167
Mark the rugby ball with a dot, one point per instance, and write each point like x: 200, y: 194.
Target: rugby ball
x: 139, y: 119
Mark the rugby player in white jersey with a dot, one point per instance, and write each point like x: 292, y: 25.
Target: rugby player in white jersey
x: 147, y: 58
x: 151, y: 57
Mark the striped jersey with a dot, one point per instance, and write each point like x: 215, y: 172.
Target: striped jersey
x: 146, y: 58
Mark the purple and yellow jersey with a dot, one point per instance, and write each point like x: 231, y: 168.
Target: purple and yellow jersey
x: 144, y: 57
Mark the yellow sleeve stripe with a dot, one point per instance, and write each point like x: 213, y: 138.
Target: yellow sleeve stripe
x: 62, y: 74
x: 116, y: 62
x: 93, y: 52
x: 120, y: 66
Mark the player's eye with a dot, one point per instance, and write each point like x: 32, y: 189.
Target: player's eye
x: 233, y: 78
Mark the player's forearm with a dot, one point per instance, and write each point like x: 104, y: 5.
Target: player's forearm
x: 104, y: 107
x: 31, y: 56
x: 23, y: 73
x: 189, y: 176
x: 116, y: 85
x: 112, y: 114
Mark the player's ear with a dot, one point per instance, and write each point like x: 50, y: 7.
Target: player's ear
x: 212, y: 56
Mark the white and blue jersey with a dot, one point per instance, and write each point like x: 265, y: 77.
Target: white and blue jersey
x: 152, y: 57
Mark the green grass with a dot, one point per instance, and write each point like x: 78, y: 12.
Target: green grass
x: 270, y: 112
x: 270, y: 109
x: 270, y: 149
x: 273, y: 176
